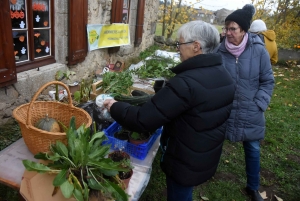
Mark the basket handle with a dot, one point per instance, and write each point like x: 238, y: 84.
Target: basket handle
x: 38, y: 93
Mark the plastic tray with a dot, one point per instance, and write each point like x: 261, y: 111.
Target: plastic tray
x: 136, y: 151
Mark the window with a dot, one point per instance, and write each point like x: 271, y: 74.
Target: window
x: 32, y: 32
x: 125, y: 11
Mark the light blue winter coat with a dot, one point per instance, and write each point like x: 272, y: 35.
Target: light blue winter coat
x: 254, y: 82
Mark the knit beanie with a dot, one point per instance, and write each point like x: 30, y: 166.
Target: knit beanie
x: 258, y: 26
x: 242, y: 16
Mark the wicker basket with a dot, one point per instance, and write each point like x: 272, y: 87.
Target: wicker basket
x: 27, y: 115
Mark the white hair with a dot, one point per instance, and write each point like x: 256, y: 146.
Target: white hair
x: 206, y: 34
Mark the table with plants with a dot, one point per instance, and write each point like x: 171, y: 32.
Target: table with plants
x: 67, y: 157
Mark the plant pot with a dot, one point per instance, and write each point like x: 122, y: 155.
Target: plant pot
x: 74, y: 87
x: 124, y: 176
x: 158, y: 84
x: 122, y: 135
x: 117, y: 156
x: 143, y: 138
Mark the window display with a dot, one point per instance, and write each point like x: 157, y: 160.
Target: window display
x: 34, y: 31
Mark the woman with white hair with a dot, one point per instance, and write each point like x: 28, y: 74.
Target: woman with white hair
x: 192, y: 108
x: 268, y: 37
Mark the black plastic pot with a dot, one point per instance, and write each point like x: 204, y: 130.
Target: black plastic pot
x: 158, y: 84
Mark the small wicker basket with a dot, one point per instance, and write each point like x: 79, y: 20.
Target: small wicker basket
x: 27, y: 115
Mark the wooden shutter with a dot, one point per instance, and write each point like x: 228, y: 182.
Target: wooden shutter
x: 77, y: 31
x: 116, y: 17
x: 116, y: 11
x: 8, y: 73
x: 139, y: 23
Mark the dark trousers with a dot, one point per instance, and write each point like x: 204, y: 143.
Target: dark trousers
x: 177, y: 192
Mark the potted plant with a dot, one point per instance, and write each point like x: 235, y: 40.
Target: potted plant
x: 68, y: 74
x: 83, y: 95
x: 139, y: 138
x: 117, y: 156
x: 82, y: 167
x: 122, y: 134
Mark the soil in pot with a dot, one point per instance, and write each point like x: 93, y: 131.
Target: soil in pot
x: 117, y: 156
x: 139, y: 138
x: 124, y: 176
x: 122, y: 134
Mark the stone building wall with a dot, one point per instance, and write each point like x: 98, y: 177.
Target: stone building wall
x: 98, y: 13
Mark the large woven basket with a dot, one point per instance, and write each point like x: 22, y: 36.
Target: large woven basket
x: 27, y: 115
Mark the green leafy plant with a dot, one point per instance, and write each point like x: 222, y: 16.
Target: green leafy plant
x: 156, y: 67
x: 82, y: 167
x: 60, y: 75
x: 117, y: 82
x: 139, y: 136
x: 83, y: 95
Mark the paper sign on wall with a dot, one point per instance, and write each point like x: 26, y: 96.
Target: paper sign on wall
x: 111, y: 35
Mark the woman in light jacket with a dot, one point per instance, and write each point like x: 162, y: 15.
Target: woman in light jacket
x: 248, y: 62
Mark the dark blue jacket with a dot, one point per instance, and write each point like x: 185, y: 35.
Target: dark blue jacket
x: 254, y: 82
x: 192, y: 108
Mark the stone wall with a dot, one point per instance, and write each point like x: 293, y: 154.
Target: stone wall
x: 98, y: 13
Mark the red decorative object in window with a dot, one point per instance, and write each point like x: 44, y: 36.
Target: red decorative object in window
x: 13, y: 1
x: 39, y: 7
x: 21, y: 14
x: 21, y: 38
x: 37, y: 35
x: 17, y: 14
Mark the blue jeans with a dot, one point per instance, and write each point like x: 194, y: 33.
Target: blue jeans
x: 177, y: 192
x: 252, y: 156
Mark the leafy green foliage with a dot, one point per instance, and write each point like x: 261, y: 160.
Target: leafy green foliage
x: 117, y: 82
x: 82, y: 165
x: 83, y: 95
x: 139, y: 136
x: 282, y: 17
x: 156, y: 67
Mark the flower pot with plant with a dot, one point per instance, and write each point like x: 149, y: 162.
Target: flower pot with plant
x: 139, y: 138
x: 68, y: 75
x: 118, y: 156
x: 122, y: 134
x: 82, y: 167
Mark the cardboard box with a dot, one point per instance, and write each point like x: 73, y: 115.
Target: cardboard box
x: 39, y: 187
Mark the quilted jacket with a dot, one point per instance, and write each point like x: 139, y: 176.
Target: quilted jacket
x: 193, y: 108
x: 254, y: 82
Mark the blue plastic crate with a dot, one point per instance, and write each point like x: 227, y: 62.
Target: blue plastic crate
x: 136, y: 151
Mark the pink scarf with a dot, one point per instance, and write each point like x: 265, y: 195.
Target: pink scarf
x: 237, y: 50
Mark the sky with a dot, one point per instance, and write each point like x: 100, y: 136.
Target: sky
x: 219, y: 4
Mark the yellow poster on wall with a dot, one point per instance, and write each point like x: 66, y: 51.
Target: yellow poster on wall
x: 103, y: 36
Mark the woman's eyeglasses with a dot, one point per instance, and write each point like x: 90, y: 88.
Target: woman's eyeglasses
x: 177, y: 44
x: 231, y: 29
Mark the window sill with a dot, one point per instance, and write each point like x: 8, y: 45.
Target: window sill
x: 34, y: 64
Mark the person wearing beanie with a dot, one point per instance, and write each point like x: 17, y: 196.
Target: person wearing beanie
x: 268, y: 36
x: 247, y: 60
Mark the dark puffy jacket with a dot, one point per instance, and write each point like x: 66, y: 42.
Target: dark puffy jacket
x: 254, y: 82
x: 192, y: 107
